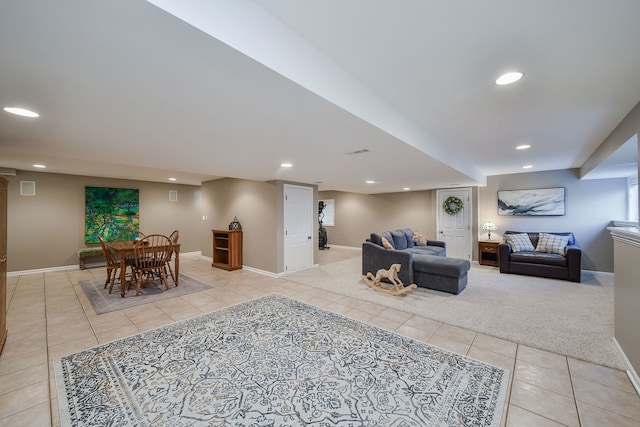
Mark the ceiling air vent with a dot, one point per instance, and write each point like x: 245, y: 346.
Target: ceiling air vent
x: 364, y: 150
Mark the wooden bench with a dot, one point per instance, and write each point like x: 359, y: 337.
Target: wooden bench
x: 88, y: 253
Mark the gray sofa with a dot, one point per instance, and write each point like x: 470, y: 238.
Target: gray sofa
x: 427, y: 266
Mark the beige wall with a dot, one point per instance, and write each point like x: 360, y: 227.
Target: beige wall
x: 56, y: 215
x: 256, y: 206
x: 46, y: 230
x: 358, y: 215
x: 627, y: 298
x: 259, y: 207
x: 590, y: 207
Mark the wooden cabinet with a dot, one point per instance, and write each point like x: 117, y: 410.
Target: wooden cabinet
x: 488, y: 252
x: 227, y: 249
x: 3, y: 262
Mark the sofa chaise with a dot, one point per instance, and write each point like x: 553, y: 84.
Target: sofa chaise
x: 426, y: 264
x: 552, y: 255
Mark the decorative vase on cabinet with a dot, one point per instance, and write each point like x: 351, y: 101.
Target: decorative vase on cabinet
x: 227, y: 249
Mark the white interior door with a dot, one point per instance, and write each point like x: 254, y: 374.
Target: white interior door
x: 299, y: 216
x: 455, y: 230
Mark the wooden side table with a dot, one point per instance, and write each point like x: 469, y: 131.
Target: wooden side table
x: 488, y: 252
x: 227, y: 249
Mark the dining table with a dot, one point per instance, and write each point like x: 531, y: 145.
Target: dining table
x: 125, y: 248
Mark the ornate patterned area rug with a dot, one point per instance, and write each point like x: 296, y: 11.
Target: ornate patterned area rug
x: 103, y: 302
x: 276, y: 361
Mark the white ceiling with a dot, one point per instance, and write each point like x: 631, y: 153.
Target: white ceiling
x: 129, y: 89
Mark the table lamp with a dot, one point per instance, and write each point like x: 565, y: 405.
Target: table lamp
x: 489, y: 227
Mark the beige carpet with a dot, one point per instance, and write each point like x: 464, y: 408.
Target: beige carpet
x: 573, y: 319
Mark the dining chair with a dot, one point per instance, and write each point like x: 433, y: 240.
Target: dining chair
x: 173, y: 237
x: 129, y: 236
x: 151, y: 257
x: 113, y: 266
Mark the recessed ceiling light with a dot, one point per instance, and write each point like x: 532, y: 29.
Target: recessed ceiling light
x: 172, y: 179
x: 21, y: 112
x: 523, y: 147
x: 370, y: 182
x: 527, y: 167
x: 509, y: 78
x: 286, y: 165
x: 406, y: 189
x: 39, y: 166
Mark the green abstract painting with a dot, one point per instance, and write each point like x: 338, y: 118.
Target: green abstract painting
x: 109, y: 211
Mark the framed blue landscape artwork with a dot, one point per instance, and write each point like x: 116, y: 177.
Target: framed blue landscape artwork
x: 109, y: 211
x: 539, y: 201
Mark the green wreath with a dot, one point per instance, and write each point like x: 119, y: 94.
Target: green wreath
x: 452, y: 205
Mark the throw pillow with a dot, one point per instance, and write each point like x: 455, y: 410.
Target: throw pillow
x: 398, y: 240
x: 419, y: 239
x: 386, y: 243
x: 552, y: 243
x: 408, y: 234
x: 387, y: 235
x: 519, y: 242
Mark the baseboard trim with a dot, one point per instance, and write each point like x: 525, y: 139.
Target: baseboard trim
x: 599, y: 273
x: 246, y: 267
x: 263, y: 272
x: 45, y: 270
x: 342, y: 247
x: 631, y: 372
x: 269, y: 273
x: 70, y: 267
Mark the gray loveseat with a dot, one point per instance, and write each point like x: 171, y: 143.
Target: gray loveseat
x: 566, y: 266
x: 425, y: 265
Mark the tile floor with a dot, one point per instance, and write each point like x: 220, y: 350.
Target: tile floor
x: 49, y: 316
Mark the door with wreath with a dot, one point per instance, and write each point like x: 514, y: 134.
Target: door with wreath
x: 454, y: 221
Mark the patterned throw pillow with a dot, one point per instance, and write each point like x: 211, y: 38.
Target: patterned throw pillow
x: 519, y: 242
x: 419, y: 239
x: 552, y: 243
x: 386, y: 243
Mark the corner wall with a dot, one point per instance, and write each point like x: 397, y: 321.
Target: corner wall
x: 590, y: 207
x: 627, y: 294
x: 358, y: 215
x: 255, y: 205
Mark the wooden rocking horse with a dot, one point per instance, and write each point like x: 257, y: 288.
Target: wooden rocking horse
x: 396, y: 287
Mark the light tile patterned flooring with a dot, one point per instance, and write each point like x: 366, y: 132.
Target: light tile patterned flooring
x: 49, y: 316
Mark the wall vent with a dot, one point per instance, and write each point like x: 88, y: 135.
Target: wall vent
x: 7, y: 171
x: 27, y: 188
x: 173, y: 195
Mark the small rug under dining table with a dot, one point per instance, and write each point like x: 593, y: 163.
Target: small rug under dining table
x: 104, y: 302
x: 276, y: 361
